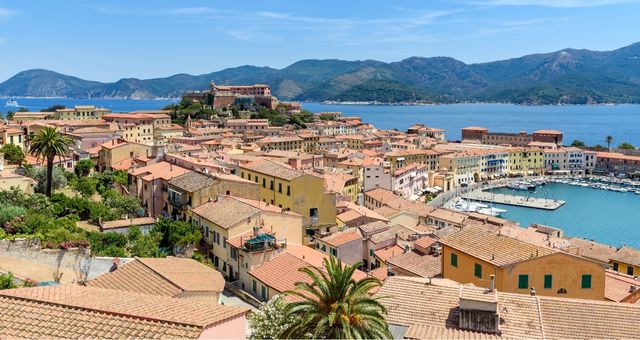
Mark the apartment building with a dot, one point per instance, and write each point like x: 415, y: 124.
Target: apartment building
x: 80, y: 112
x: 141, y: 127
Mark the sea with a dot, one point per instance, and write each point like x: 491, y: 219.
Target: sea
x: 607, y: 217
x: 604, y: 216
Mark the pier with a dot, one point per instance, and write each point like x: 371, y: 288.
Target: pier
x: 521, y: 201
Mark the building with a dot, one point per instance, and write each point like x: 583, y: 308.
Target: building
x: 122, y: 226
x: 80, y: 112
x: 569, y: 160
x: 451, y: 311
x: 120, y: 155
x: 520, y: 139
x: 72, y: 310
x: 475, y: 255
x: 302, y: 192
x: 402, y: 158
x: 13, y: 135
x: 195, y: 188
x: 170, y: 276
x: 225, y: 218
x: 626, y: 260
x: 284, y: 143
x: 149, y: 184
x: 345, y: 245
x: 424, y: 131
x: 140, y: 127
x: 611, y: 162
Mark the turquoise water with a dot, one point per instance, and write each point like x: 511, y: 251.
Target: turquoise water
x: 604, y: 216
x: 590, y: 123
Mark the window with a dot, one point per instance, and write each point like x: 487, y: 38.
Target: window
x: 280, y: 187
x: 264, y: 182
x: 271, y: 187
x: 224, y: 242
x: 288, y: 190
x: 523, y: 281
x: 615, y: 266
x: 454, y: 260
x: 477, y: 270
x: 264, y: 292
x: 242, y: 174
x: 255, y: 286
x: 586, y: 281
x: 313, y: 212
x: 234, y: 253
x: 216, y: 261
x: 249, y: 176
x: 548, y: 281
x: 324, y: 247
x: 630, y: 270
x: 371, y: 252
x: 334, y: 251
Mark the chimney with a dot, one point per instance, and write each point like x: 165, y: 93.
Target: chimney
x: 633, y: 289
x: 492, y: 286
x: 533, y: 291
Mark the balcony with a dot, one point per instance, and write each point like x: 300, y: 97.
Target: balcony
x: 259, y: 242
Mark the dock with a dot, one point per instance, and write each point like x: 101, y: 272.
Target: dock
x: 521, y: 201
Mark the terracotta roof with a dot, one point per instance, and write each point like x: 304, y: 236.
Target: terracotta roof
x: 496, y: 249
x: 342, y: 237
x: 417, y: 264
x: 627, y: 255
x: 161, y: 276
x: 161, y: 170
x: 374, y: 227
x: 128, y: 223
x: 435, y: 332
x: 592, y: 250
x: 617, y: 286
x: 226, y: 211
x: 425, y: 242
x: 385, y: 253
x: 397, y: 231
x: 273, y: 168
x: 388, y: 198
x: 448, y: 215
x: 90, y: 312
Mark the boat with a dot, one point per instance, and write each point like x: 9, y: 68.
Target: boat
x: 12, y: 103
x: 491, y: 211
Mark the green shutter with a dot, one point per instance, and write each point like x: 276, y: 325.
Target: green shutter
x: 371, y: 252
x: 586, y: 281
x: 523, y: 281
x: 548, y: 281
x: 477, y: 270
x: 454, y: 260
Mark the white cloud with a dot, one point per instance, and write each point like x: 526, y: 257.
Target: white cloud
x: 6, y: 12
x: 190, y: 11
x: 553, y: 3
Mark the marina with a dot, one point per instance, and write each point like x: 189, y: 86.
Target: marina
x: 516, y: 200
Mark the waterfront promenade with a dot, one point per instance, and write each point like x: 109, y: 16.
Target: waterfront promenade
x: 521, y: 201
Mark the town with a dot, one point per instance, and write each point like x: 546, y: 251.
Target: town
x: 186, y: 222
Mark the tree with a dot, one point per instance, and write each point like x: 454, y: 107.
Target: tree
x: 178, y: 235
x: 7, y: 281
x: 124, y: 205
x: 609, y: 139
x: 53, y: 108
x: 58, y: 178
x: 10, y: 115
x: 48, y: 144
x: 13, y: 154
x: 142, y: 245
x: 270, y: 320
x: 626, y: 146
x: 577, y: 143
x: 335, y: 306
x: 86, y: 186
x: 84, y: 167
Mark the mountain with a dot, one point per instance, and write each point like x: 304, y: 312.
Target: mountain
x: 566, y: 76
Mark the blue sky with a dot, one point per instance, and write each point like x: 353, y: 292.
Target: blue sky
x: 108, y: 40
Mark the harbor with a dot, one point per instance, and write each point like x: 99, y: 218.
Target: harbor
x: 521, y: 201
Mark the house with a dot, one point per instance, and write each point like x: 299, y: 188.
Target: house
x: 345, y: 245
x: 195, y: 188
x: 446, y: 218
x: 451, y: 311
x: 171, y: 276
x: 302, y: 192
x: 149, y: 184
x: 227, y: 217
x: 475, y: 255
x: 122, y: 226
x: 92, y: 312
x: 379, y: 197
x: 626, y: 260
x: 619, y: 287
x: 353, y: 215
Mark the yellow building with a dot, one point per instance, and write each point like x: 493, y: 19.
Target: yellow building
x: 15, y: 136
x: 346, y: 186
x: 473, y: 255
x: 292, y: 143
x: 118, y: 154
x: 140, y: 127
x: 80, y: 112
x: 526, y: 161
x: 226, y: 218
x: 626, y: 260
x: 298, y: 191
x: 401, y: 158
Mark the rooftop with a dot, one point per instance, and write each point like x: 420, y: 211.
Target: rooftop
x: 627, y: 255
x: 226, y: 211
x: 417, y: 264
x: 342, y: 237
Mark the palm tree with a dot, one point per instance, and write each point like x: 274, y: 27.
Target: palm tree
x: 609, y: 140
x: 335, y: 306
x: 47, y: 144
